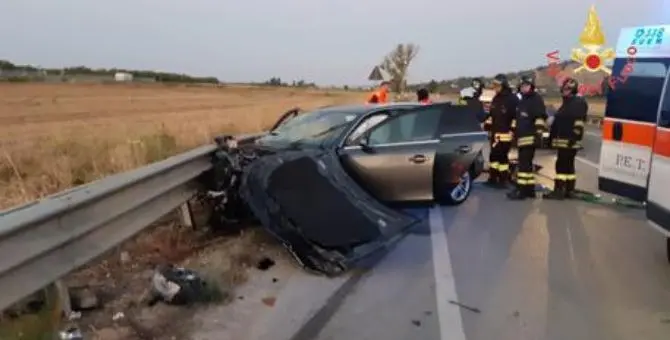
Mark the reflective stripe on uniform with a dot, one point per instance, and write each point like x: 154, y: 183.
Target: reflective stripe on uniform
x: 503, y: 167
x: 514, y: 124
x: 540, y: 121
x: 579, y: 123
x: 503, y: 137
x: 566, y: 177
x: 525, y: 178
x: 494, y: 165
x: 524, y: 141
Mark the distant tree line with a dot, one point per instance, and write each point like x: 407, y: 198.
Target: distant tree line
x: 543, y: 80
x: 276, y: 81
x: 166, y: 77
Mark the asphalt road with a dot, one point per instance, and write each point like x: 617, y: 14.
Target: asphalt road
x: 519, y: 270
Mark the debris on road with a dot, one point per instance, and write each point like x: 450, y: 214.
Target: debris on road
x: 416, y: 323
x: 179, y: 286
x: 83, y: 298
x: 269, y: 301
x: 265, y: 263
x: 72, y: 333
x: 472, y: 309
x: 205, y: 268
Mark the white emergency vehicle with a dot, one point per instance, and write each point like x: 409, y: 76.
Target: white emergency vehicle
x: 635, y: 154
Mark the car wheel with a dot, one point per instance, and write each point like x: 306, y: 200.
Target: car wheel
x: 667, y: 248
x: 458, y: 193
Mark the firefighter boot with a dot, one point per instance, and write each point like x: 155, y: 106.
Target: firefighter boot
x: 493, y: 179
x: 503, y: 180
x: 519, y: 193
x: 570, y: 189
x: 530, y: 191
x: 558, y: 193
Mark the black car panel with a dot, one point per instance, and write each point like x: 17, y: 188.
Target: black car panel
x: 331, y: 222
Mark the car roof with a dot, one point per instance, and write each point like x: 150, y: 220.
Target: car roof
x: 360, y: 109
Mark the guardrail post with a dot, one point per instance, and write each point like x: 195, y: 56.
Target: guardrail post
x: 186, y: 215
x: 58, y: 303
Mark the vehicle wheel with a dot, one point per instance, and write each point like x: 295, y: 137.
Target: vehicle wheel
x: 667, y: 248
x: 457, y: 194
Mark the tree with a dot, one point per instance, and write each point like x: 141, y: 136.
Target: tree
x: 396, y: 64
x: 432, y: 86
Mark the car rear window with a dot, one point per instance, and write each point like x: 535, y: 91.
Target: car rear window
x: 459, y: 119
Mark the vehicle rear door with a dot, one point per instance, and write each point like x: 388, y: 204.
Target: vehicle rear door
x: 460, y: 141
x: 658, y: 198
x: 394, y: 160
x: 629, y: 126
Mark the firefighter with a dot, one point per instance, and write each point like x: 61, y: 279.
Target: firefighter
x: 528, y: 125
x: 380, y: 96
x: 423, y: 96
x: 498, y: 122
x: 566, y: 134
x: 478, y: 86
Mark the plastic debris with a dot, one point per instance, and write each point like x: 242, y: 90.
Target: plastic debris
x: 178, y: 286
x: 72, y: 333
x: 118, y: 316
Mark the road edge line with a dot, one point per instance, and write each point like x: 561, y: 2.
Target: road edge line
x: 450, y: 319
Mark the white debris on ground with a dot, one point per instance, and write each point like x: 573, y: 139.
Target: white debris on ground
x: 117, y: 292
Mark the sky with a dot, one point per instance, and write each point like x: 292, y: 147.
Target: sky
x: 330, y: 42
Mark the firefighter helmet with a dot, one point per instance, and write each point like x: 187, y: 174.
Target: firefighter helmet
x: 570, y: 84
x: 501, y: 79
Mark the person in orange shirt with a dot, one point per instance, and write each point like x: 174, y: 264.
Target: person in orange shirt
x: 381, y: 95
x: 423, y: 96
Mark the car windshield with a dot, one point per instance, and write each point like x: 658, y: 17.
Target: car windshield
x: 313, y: 127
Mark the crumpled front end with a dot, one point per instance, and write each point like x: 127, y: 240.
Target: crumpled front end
x: 327, y: 222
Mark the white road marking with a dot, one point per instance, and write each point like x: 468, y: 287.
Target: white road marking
x: 588, y: 162
x: 449, y: 316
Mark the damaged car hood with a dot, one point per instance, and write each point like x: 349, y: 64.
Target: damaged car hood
x: 307, y: 200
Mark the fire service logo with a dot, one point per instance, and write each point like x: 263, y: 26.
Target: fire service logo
x: 592, y: 55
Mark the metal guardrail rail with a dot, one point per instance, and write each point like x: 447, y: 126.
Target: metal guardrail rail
x: 42, y: 241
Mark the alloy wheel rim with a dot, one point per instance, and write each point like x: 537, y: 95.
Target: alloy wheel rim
x: 460, y: 192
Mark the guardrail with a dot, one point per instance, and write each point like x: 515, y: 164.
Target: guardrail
x: 42, y: 241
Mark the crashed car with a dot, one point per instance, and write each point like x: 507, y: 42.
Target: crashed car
x: 328, y: 183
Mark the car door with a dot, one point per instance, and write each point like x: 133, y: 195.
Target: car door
x: 461, y: 141
x: 394, y: 159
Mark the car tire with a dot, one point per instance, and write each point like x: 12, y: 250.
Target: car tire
x: 456, y: 194
x: 667, y: 248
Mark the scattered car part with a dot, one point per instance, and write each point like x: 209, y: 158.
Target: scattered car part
x: 178, y: 286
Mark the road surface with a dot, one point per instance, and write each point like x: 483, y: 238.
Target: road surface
x: 520, y: 270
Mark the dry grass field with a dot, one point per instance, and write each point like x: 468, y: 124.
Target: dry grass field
x: 55, y: 136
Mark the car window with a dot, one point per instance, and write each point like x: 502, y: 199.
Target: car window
x: 459, y: 119
x: 366, y: 125
x: 413, y: 126
x: 639, y: 96
x: 311, y: 128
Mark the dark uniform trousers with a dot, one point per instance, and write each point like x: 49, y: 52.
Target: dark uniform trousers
x: 565, y: 167
x: 525, y: 176
x: 499, y: 156
x: 566, y: 177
